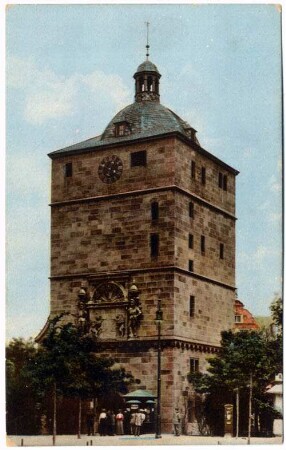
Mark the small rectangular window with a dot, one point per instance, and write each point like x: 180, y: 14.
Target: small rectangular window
x: 138, y: 158
x: 121, y: 128
x: 192, y: 305
x: 194, y: 365
x: 203, y: 244
x: 191, y: 209
x: 221, y: 251
x: 203, y: 175
x: 238, y: 319
x: 68, y: 169
x: 193, y: 170
x: 220, y: 180
x: 154, y: 244
x: 191, y: 241
x: 191, y: 265
x: 154, y: 211
x: 225, y: 182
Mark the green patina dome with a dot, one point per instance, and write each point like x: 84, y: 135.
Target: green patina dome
x: 146, y: 118
x: 147, y: 66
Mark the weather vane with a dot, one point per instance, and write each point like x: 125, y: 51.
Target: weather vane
x: 147, y: 46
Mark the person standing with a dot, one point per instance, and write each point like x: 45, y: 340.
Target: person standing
x: 102, y: 423
x: 139, y: 419
x: 126, y: 421
x: 90, y: 422
x: 132, y: 423
x: 177, y: 422
x: 109, y: 423
x: 112, y: 416
x: 119, y: 422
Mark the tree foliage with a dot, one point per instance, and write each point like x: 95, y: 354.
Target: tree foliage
x: 276, y: 309
x: 64, y: 364
x: 68, y: 358
x: 243, y: 354
x: 21, y: 399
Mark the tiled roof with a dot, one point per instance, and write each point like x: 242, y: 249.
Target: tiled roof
x: 144, y: 119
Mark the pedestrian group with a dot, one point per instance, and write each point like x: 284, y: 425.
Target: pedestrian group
x: 111, y: 424
x: 129, y: 422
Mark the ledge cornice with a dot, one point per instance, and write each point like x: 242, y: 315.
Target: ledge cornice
x: 132, y: 272
x: 145, y: 344
x: 173, y: 188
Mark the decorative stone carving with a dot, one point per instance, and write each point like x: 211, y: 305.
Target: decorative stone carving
x: 120, y: 325
x: 83, y: 317
x: 134, y: 312
x: 111, y: 312
x: 108, y: 293
x: 95, y: 328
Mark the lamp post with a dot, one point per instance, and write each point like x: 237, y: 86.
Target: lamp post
x: 158, y: 320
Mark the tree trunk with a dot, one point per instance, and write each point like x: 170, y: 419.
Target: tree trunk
x: 79, y: 418
x: 54, y: 413
x: 250, y: 408
x: 237, y: 412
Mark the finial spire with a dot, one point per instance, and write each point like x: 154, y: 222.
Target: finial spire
x: 147, y: 46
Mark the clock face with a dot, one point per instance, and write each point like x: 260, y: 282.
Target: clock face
x: 110, y: 169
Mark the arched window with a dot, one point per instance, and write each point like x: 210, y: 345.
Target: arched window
x: 141, y: 82
x: 149, y: 84
x: 156, y: 86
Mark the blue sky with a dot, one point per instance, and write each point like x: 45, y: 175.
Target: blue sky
x: 70, y: 69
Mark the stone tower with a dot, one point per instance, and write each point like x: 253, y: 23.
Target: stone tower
x: 141, y: 213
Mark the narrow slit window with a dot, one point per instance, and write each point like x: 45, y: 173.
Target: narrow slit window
x: 154, y: 211
x: 203, y: 244
x: 221, y: 251
x: 225, y: 182
x: 68, y: 170
x: 192, y: 305
x: 191, y: 241
x: 220, y: 180
x: 193, y: 170
x: 154, y: 245
x: 191, y: 209
x: 203, y: 175
x: 191, y: 265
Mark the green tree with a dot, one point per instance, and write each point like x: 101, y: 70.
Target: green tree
x: 66, y: 364
x: 276, y: 309
x: 21, y: 399
x: 246, y: 363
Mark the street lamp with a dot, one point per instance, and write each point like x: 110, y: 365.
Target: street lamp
x: 158, y: 320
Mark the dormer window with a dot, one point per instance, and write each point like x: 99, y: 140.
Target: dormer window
x: 121, y: 129
x: 238, y: 318
x: 191, y: 133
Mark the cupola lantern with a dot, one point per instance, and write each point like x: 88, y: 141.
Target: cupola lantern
x: 147, y: 79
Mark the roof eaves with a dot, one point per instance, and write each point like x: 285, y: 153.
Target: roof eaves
x: 98, y: 144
